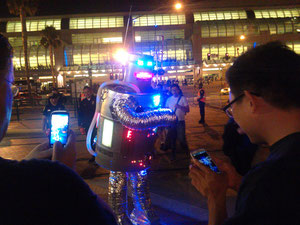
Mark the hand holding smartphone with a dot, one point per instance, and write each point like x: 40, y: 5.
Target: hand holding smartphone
x: 59, y: 130
x: 202, y: 156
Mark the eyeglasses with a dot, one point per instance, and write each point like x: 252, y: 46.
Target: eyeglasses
x: 228, y: 109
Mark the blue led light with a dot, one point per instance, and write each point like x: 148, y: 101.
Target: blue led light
x: 143, y: 172
x: 140, y: 62
x: 149, y: 63
x: 156, y: 100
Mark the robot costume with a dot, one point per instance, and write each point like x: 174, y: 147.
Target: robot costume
x: 127, y: 116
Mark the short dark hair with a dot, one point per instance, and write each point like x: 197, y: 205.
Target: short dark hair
x: 177, y: 86
x: 271, y: 71
x: 5, y: 52
x: 87, y: 87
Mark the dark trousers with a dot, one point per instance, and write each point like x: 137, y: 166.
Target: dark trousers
x: 178, y: 133
x: 202, y: 111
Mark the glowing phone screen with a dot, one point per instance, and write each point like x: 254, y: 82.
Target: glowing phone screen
x: 59, y: 128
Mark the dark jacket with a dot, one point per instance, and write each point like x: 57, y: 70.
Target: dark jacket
x: 86, y: 112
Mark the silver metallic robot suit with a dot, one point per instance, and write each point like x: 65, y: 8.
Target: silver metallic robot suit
x: 127, y: 116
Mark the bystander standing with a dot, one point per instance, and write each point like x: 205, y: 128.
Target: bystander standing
x: 179, y: 104
x: 86, y: 112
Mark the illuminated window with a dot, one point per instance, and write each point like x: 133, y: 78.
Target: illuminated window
x: 142, y: 36
x: 220, y: 15
x: 158, y: 19
x: 277, y: 13
x: 204, y: 30
x: 96, y: 22
x: 218, y: 51
x: 97, y: 38
x: 174, y: 50
x: 33, y: 25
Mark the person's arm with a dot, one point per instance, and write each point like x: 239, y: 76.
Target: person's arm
x: 213, y: 186
x: 44, y: 123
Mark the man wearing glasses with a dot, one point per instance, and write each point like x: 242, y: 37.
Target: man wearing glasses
x: 265, y: 103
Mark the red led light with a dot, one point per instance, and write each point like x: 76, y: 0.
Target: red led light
x: 143, y: 75
x: 141, y: 164
x: 150, y: 157
x: 129, y: 134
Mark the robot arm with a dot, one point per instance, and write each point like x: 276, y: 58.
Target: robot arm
x: 122, y: 109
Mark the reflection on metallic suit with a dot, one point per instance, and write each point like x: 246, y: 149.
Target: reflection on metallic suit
x: 142, y: 213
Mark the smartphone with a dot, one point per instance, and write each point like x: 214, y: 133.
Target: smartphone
x: 59, y: 128
x: 202, y: 156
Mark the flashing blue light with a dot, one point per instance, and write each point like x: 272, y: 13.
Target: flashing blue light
x: 254, y: 44
x: 140, y: 62
x: 155, y: 25
x: 143, y: 172
x: 149, y: 63
x: 156, y: 100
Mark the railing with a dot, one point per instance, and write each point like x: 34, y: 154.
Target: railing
x: 26, y: 108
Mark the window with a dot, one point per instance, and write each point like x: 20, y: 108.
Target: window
x: 220, y: 15
x: 96, y: 22
x: 158, y: 19
x: 218, y: 51
x: 33, y: 25
x: 142, y: 36
x: 97, y: 38
x: 276, y: 13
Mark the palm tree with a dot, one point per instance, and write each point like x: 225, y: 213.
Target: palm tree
x: 50, y: 40
x: 23, y: 8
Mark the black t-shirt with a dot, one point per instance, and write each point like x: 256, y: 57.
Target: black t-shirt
x: 270, y: 192
x: 41, y: 192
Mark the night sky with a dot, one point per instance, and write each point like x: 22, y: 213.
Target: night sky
x: 59, y: 7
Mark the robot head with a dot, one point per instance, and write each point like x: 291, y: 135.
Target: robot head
x: 140, y: 71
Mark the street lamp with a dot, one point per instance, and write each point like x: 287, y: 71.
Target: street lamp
x: 242, y: 37
x: 178, y: 6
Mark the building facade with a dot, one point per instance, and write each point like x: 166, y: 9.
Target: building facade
x: 188, y: 45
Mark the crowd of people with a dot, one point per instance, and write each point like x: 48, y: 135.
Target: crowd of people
x: 265, y: 106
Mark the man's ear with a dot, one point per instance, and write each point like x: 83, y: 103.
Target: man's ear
x: 254, y: 101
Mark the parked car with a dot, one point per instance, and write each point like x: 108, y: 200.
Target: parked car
x: 23, y: 98
x: 225, y: 91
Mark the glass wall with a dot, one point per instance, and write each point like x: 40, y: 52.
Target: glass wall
x: 38, y: 57
x: 33, y: 25
x: 97, y: 38
x: 173, y: 50
x: 218, y: 51
x: 277, y: 13
x: 141, y: 36
x: 235, y: 28
x: 96, y: 22
x: 220, y: 15
x: 86, y: 54
x: 158, y: 20
x: 31, y: 40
